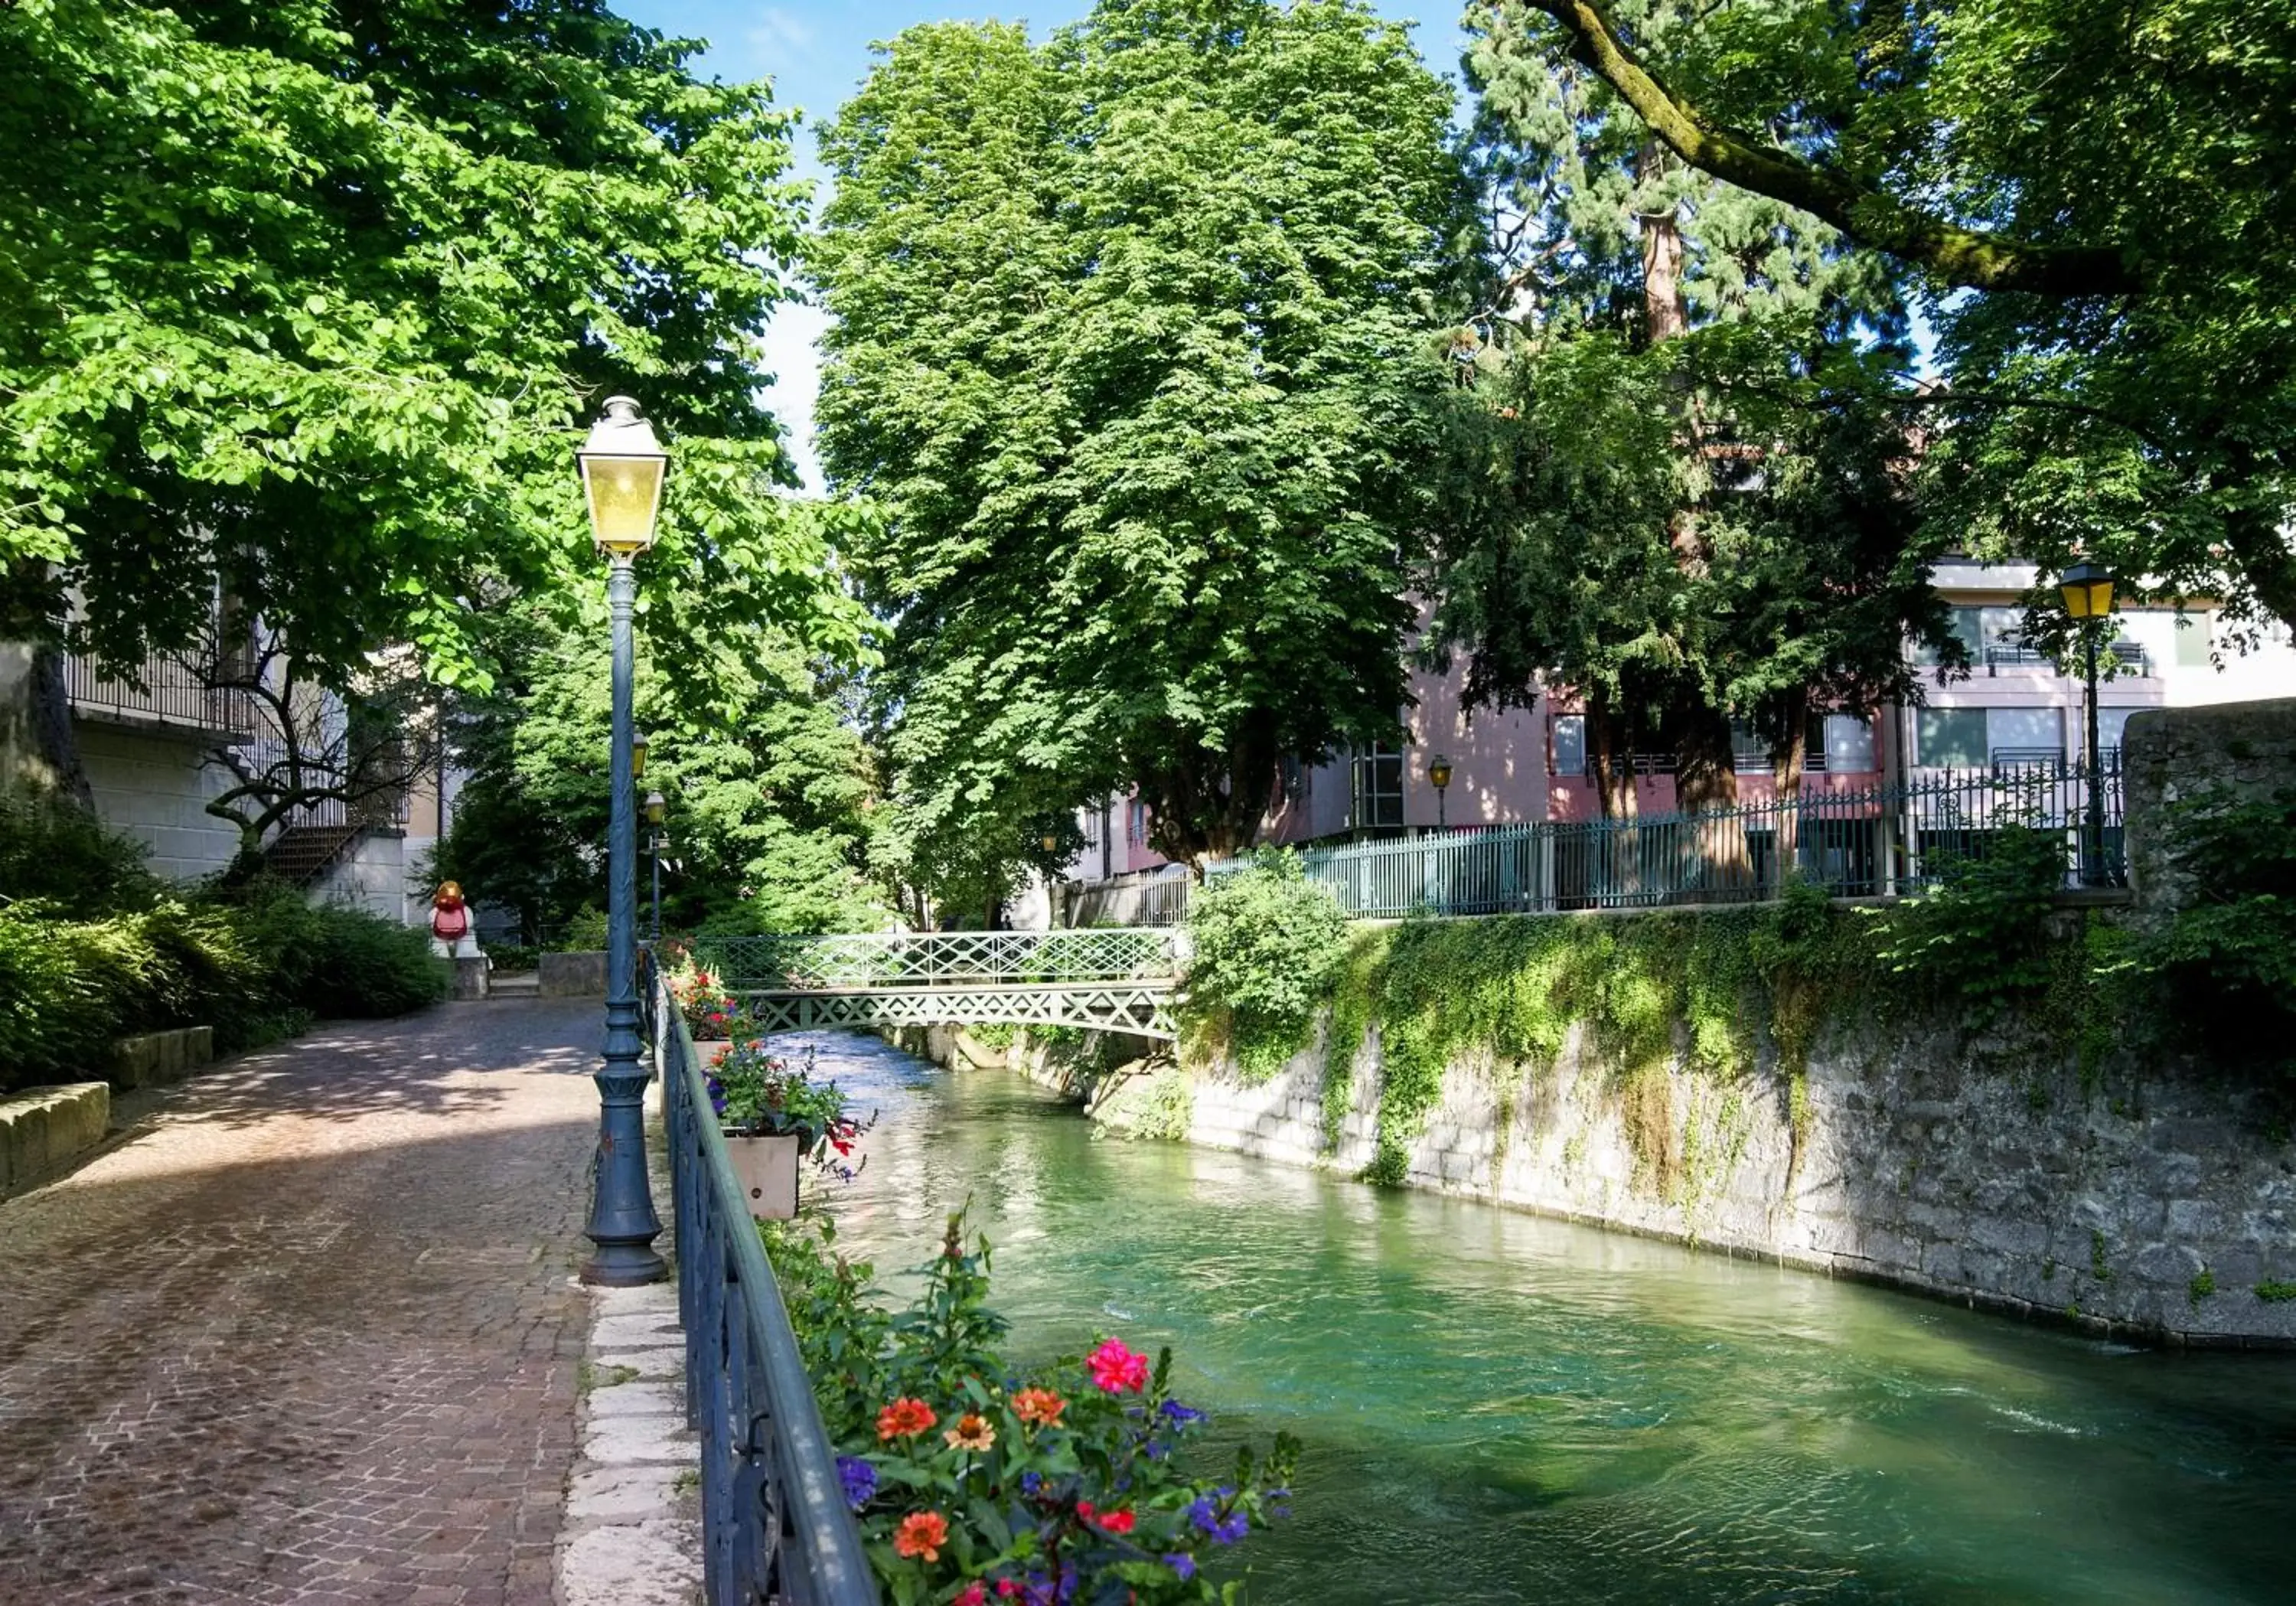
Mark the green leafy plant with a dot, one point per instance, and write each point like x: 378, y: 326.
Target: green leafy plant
x: 1266, y: 943
x: 1982, y: 936
x: 759, y: 1094
x: 975, y: 1481
x: 2226, y: 965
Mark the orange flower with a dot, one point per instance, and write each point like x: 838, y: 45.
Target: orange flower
x: 905, y: 1419
x: 922, y: 1534
x: 1041, y: 1406
x: 970, y: 1433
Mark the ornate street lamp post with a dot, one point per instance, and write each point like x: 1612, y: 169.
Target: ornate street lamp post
x: 622, y: 469
x: 1439, y: 772
x: 2088, y: 592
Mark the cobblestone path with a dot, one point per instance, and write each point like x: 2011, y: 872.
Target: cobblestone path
x: 309, y: 1335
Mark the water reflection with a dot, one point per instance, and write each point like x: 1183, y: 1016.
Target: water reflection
x: 1499, y: 1408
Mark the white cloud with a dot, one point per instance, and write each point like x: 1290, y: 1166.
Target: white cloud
x: 781, y: 37
x: 791, y: 350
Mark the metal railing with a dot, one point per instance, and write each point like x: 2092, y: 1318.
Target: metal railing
x: 774, y: 1524
x: 1854, y: 842
x: 165, y: 689
x: 1158, y: 897
x: 940, y: 959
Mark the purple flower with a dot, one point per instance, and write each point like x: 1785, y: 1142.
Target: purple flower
x: 1234, y: 1527
x: 1157, y: 1449
x: 1030, y: 1483
x: 859, y: 1478
x: 1182, y: 1563
x: 1177, y: 1414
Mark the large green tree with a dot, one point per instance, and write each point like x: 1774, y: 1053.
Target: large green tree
x: 1671, y: 492
x: 302, y: 303
x: 756, y: 745
x: 1130, y: 347
x: 2096, y: 195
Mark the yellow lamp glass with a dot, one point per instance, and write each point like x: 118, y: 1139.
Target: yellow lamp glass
x: 625, y: 493
x: 623, y: 467
x: 1439, y: 772
x: 637, y: 756
x: 2087, y: 590
x: 656, y: 805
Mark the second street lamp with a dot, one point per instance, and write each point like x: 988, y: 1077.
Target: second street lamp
x: 656, y: 806
x: 2087, y: 590
x: 1439, y: 772
x: 622, y: 467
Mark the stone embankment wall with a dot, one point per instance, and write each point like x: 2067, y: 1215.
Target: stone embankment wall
x: 2158, y: 1202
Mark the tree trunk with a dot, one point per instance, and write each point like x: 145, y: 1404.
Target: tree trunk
x: 1788, y: 755
x: 1208, y: 803
x: 53, y: 740
x: 1666, y: 312
x: 1610, y: 758
x: 1706, y: 784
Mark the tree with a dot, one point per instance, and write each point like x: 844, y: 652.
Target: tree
x: 2109, y: 180
x: 313, y: 749
x: 1676, y: 496
x: 302, y: 305
x: 754, y: 745
x: 1129, y: 351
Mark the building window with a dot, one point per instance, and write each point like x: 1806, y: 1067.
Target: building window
x: 2024, y: 736
x: 1847, y: 743
x: 1570, y: 743
x: 1378, y: 790
x: 2193, y: 640
x: 1294, y: 782
x: 1137, y: 831
x: 1951, y: 738
x: 1092, y: 820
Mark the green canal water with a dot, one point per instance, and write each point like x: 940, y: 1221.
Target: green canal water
x: 1499, y: 1408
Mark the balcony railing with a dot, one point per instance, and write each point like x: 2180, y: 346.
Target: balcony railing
x: 167, y: 691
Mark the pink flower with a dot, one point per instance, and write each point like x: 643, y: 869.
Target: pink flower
x: 973, y: 1596
x: 1117, y: 1370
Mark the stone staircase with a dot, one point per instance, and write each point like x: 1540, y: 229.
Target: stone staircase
x: 301, y: 854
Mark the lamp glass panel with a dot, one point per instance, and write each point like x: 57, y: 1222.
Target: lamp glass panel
x: 2099, y: 598
x: 623, y: 494
x: 2076, y: 600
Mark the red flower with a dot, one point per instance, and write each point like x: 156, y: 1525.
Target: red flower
x: 1085, y: 1509
x: 1117, y: 1370
x: 973, y: 1594
x: 1040, y: 1406
x: 905, y: 1419
x: 920, y: 1533
x: 1006, y: 1588
x: 1116, y: 1522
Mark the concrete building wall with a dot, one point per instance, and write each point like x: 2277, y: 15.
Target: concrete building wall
x: 372, y: 876
x: 155, y: 789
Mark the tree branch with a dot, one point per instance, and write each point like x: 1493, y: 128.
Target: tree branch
x: 1869, y: 215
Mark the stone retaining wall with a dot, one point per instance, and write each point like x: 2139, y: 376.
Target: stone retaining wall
x: 571, y: 975
x: 155, y: 1059
x: 43, y: 1128
x: 2145, y: 1200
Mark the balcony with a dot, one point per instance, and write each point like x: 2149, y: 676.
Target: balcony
x: 169, y: 693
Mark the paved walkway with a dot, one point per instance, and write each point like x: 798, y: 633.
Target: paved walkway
x: 309, y: 1334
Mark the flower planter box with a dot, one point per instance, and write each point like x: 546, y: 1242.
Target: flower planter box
x: 766, y: 1169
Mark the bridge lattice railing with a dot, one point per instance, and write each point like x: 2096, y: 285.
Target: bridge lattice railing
x: 942, y: 959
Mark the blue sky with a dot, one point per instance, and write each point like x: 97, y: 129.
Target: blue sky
x: 816, y: 53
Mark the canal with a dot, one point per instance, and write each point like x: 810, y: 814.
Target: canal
x: 1497, y: 1408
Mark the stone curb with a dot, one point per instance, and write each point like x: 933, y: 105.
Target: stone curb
x: 631, y: 1528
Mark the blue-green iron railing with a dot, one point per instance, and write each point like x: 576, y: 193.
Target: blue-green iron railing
x: 775, y: 1525
x: 938, y: 959
x: 1868, y: 842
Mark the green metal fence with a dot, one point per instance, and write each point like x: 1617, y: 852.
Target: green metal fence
x: 1868, y: 842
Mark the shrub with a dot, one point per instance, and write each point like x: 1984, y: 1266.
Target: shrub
x: 1982, y: 937
x: 975, y: 1482
x: 2226, y: 965
x: 1267, y: 944
x: 65, y: 857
